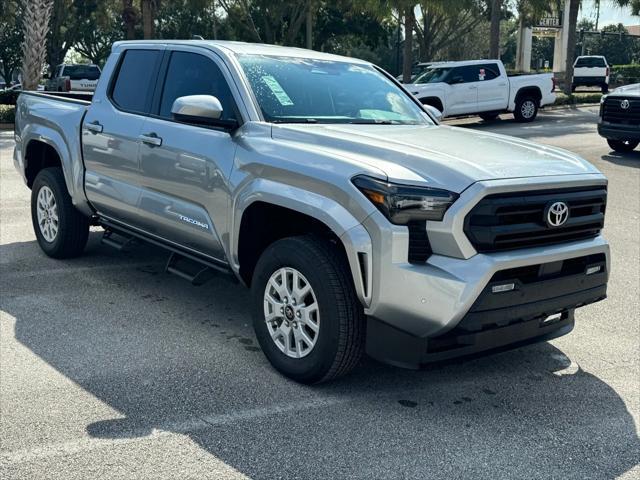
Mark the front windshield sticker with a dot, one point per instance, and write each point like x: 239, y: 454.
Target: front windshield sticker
x: 277, y: 90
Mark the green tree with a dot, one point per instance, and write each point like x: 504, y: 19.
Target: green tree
x: 445, y: 23
x: 99, y: 25
x: 11, y: 37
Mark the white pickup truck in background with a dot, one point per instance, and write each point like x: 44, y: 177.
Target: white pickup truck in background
x: 483, y: 87
x: 74, y: 78
x: 590, y: 71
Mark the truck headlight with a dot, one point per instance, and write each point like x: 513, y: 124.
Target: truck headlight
x: 402, y: 204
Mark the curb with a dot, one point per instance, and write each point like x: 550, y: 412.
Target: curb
x: 572, y: 106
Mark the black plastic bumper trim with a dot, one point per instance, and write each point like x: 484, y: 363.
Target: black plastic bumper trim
x: 619, y: 131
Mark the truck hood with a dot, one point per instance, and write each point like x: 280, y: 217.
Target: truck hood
x: 632, y: 90
x: 441, y: 156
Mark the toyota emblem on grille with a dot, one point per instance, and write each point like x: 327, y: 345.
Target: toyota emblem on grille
x: 557, y: 214
x: 624, y: 104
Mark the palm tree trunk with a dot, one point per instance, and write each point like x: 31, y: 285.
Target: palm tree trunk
x: 494, y: 45
x: 148, y: 17
x: 407, y: 60
x: 574, y: 5
x: 34, y: 48
x: 129, y: 17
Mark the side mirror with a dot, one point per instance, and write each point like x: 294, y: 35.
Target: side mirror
x: 437, y: 114
x: 201, y: 109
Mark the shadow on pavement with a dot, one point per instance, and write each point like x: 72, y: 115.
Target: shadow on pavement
x: 631, y: 159
x: 553, y: 123
x: 167, y: 355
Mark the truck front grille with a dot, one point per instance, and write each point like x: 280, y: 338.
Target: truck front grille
x: 519, y: 219
x: 613, y: 111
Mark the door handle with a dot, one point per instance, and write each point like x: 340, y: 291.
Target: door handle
x: 151, y: 139
x: 94, y: 127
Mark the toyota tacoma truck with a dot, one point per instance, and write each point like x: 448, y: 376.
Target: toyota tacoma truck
x: 482, y: 87
x: 620, y: 118
x: 359, y: 223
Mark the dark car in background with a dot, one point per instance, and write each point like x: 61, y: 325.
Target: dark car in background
x: 620, y: 118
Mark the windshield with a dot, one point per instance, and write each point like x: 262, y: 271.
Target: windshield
x: 82, y: 72
x: 433, y: 75
x: 302, y: 90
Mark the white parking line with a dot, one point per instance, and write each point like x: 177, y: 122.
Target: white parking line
x: 74, y: 270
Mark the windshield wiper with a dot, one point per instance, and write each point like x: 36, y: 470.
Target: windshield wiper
x: 371, y: 121
x: 294, y: 120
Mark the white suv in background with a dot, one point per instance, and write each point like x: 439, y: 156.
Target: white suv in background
x: 589, y: 71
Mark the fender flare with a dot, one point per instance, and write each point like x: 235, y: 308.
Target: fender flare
x: 354, y: 237
x: 73, y: 172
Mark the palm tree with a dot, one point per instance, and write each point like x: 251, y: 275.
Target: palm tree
x: 494, y: 35
x: 574, y: 6
x: 35, y: 23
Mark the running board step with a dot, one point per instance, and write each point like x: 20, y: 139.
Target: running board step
x: 195, y: 272
x: 119, y: 241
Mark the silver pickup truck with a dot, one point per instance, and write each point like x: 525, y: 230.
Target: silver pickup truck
x: 358, y: 222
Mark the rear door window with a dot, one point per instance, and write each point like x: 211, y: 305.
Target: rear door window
x: 133, y: 88
x: 489, y: 71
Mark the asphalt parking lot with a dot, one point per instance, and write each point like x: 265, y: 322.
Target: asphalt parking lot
x: 111, y: 368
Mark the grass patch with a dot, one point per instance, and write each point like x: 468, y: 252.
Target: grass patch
x: 576, y: 98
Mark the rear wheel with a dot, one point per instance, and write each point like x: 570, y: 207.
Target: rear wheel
x: 61, y: 230
x: 526, y: 109
x: 605, y: 88
x: 306, y: 315
x: 623, y: 146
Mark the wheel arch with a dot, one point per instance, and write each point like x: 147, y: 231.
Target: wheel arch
x: 45, y: 147
x: 435, y: 102
x: 269, y: 211
x: 534, y: 92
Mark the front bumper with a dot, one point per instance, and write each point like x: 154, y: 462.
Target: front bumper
x: 618, y: 131
x: 590, y: 81
x: 538, y: 305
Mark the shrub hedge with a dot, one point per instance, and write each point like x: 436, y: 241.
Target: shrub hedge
x: 9, y: 97
x: 7, y: 113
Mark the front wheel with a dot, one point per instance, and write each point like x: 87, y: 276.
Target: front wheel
x: 526, y: 109
x: 623, y: 146
x: 61, y: 230
x: 306, y: 315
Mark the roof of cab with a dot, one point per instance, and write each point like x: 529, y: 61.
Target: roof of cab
x: 244, y: 48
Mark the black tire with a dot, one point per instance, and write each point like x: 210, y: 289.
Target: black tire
x: 623, y: 146
x: 489, y: 117
x: 339, y: 344
x: 573, y: 88
x: 526, y: 109
x: 605, y: 88
x: 73, y: 227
